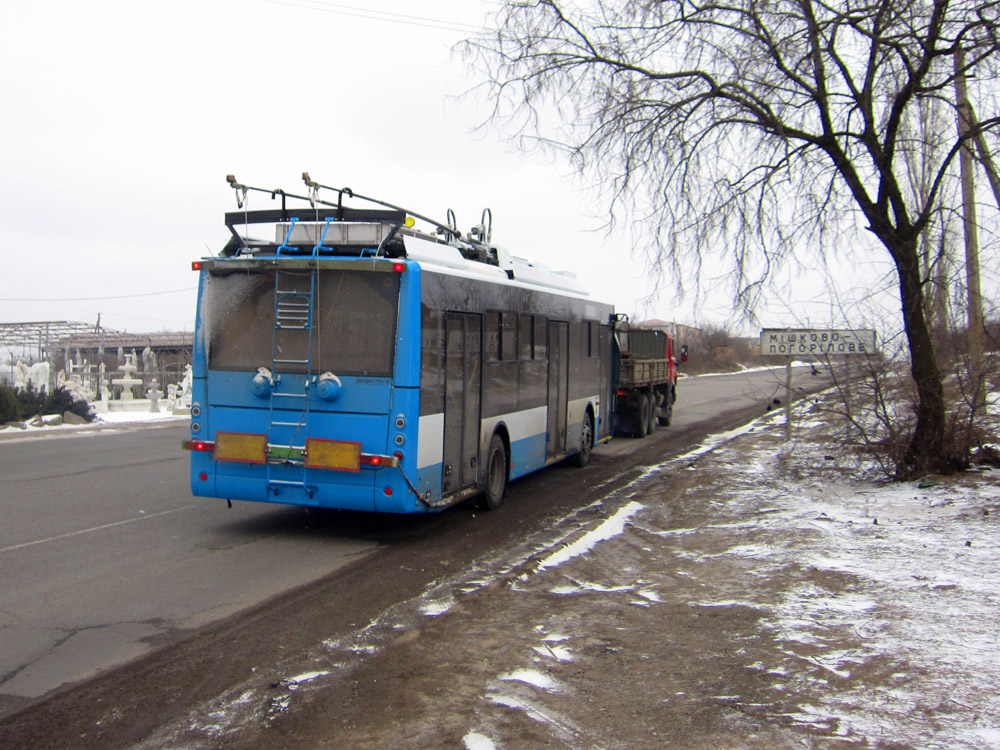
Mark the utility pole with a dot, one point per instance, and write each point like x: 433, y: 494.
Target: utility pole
x: 965, y: 125
x: 987, y: 161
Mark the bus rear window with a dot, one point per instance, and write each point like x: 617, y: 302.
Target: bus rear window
x: 354, y: 321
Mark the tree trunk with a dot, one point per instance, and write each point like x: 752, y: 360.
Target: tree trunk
x: 924, y: 451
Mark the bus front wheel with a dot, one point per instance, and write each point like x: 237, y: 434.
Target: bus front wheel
x: 496, y: 474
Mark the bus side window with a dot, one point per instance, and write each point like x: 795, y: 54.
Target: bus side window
x: 492, y: 337
x: 584, y: 338
x: 525, y: 333
x: 508, y: 337
x: 432, y: 361
x: 540, y: 351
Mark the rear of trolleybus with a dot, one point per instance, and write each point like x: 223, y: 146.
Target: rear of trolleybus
x: 316, y: 412
x: 305, y: 383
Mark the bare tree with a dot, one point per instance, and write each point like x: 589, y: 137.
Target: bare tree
x: 925, y: 141
x: 755, y: 126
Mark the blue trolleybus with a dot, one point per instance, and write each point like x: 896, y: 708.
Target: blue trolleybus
x: 344, y: 359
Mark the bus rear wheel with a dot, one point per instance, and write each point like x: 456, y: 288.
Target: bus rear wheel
x: 582, y: 457
x: 496, y: 474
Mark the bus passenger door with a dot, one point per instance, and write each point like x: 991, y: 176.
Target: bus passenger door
x: 555, y: 438
x: 463, y: 380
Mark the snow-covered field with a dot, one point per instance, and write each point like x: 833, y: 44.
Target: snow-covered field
x: 903, y: 650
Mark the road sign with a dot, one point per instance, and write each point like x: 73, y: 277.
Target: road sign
x: 815, y: 342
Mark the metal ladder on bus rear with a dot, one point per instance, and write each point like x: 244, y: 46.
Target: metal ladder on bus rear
x: 293, y: 332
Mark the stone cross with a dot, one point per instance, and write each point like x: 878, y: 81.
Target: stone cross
x: 154, y: 398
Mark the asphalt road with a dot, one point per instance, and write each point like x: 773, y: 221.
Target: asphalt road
x: 106, y: 557
x: 105, y: 554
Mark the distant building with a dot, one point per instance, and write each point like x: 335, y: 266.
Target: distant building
x: 61, y: 341
x: 172, y: 351
x: 682, y: 334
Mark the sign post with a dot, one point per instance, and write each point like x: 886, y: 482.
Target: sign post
x: 810, y: 343
x: 788, y: 399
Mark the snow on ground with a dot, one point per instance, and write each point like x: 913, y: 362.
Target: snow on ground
x: 882, y: 599
x: 923, y: 598
x: 743, y: 370
x: 848, y: 613
x: 109, y: 419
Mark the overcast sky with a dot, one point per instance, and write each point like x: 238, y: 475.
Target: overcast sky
x: 121, y: 120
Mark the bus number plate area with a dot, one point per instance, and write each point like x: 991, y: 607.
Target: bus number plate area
x: 241, y: 447
x: 339, y: 455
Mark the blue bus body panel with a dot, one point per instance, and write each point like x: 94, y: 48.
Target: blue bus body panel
x: 237, y: 409
x: 361, y: 395
x: 371, y: 421
x: 527, y: 455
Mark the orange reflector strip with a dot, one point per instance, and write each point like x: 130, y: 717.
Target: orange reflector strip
x: 241, y: 447
x: 338, y: 455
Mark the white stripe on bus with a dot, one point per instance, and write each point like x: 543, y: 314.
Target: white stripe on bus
x: 520, y: 425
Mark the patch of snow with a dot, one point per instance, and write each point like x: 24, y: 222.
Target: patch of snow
x: 720, y: 438
x: 368, y: 650
x: 305, y: 677
x: 745, y: 370
x: 555, y: 638
x: 610, y: 528
x: 531, y: 677
x: 436, y: 607
x: 477, y: 741
x: 129, y: 417
x: 576, y: 588
x: 726, y: 603
x: 559, y: 653
x: 565, y: 729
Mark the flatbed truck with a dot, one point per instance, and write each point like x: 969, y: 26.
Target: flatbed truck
x: 646, y: 380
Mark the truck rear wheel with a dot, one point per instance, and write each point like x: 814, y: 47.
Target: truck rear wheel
x: 667, y: 410
x: 642, y: 409
x: 653, y: 409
